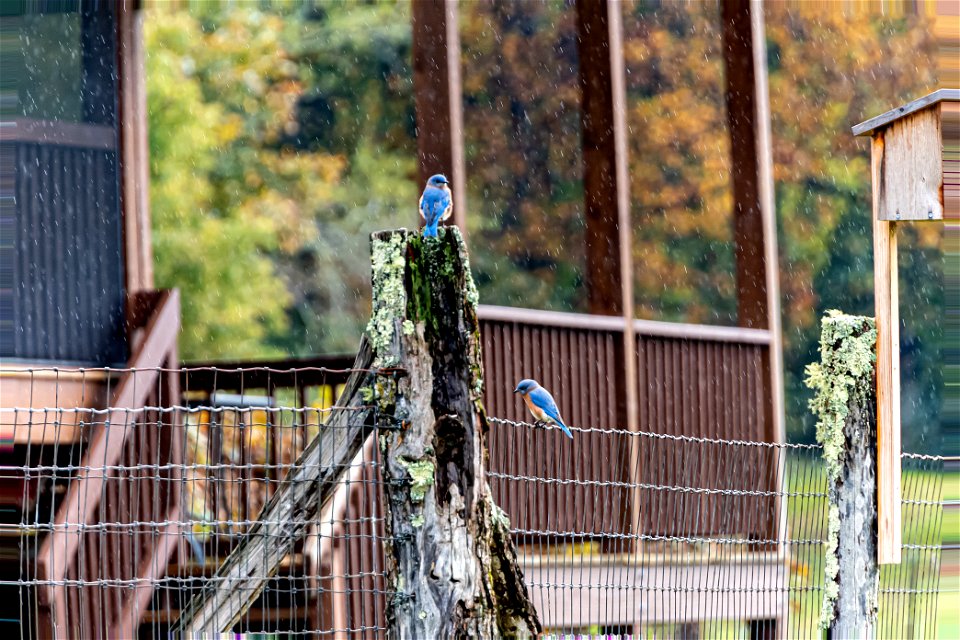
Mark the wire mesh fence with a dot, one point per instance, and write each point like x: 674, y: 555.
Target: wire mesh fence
x: 114, y: 516
x: 726, y: 541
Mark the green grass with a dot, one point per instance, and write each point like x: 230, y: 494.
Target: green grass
x: 948, y: 611
x: 922, y: 525
x: 900, y: 614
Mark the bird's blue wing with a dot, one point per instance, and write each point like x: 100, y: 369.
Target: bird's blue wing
x: 542, y: 398
x: 435, y: 205
x: 426, y: 205
x: 447, y: 207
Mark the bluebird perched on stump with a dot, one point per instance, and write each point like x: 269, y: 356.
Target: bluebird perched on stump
x: 436, y: 204
x: 541, y: 404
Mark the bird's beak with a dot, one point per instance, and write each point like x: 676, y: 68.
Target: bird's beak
x: 517, y: 390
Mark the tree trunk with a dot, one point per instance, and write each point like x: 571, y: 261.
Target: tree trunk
x: 451, y: 563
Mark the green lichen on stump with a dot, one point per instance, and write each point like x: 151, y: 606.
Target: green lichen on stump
x: 389, y: 295
x: 434, y: 262
x: 842, y: 378
x: 848, y: 356
x: 440, y: 259
x: 421, y: 477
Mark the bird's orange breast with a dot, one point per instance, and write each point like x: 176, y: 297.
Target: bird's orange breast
x: 534, y: 409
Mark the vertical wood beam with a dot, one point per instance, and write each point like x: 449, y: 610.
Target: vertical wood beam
x: 601, y: 179
x: 134, y: 170
x: 438, y: 98
x: 742, y: 121
x: 755, y: 225
x: 606, y: 184
x: 755, y: 231
x: 618, y: 94
x: 768, y: 211
x: 886, y: 301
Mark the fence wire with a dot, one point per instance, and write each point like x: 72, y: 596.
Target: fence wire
x: 114, y: 516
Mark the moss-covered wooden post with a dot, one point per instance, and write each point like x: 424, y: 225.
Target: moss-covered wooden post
x: 845, y: 405
x: 451, y: 565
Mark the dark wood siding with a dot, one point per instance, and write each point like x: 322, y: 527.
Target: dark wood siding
x: 63, y: 291
x: 694, y: 381
x: 68, y: 280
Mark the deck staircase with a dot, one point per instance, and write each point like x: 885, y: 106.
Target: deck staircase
x: 287, y: 606
x: 90, y: 501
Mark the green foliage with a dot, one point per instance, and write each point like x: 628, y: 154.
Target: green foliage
x: 522, y: 121
x: 213, y: 251
x: 823, y: 191
x: 261, y: 221
x: 523, y: 153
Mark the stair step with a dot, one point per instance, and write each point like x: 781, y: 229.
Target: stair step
x: 255, y: 614
x: 193, y: 569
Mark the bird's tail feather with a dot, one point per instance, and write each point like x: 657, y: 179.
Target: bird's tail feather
x: 566, y: 430
x: 430, y: 231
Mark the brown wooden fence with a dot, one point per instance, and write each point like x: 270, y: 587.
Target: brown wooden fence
x: 694, y: 380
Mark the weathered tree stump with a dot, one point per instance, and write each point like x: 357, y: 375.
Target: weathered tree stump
x: 845, y: 404
x: 450, y: 560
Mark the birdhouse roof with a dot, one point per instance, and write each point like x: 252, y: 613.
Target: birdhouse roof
x: 884, y: 119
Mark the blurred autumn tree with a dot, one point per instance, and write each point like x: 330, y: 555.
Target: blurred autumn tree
x: 828, y: 70
x: 223, y: 195
x: 277, y: 142
x: 281, y: 137
x: 524, y: 163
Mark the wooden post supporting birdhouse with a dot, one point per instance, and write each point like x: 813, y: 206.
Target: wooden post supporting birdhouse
x: 915, y: 169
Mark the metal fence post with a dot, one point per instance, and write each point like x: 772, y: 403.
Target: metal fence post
x: 845, y: 404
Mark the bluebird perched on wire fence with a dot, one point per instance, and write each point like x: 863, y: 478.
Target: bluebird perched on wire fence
x: 541, y: 404
x: 436, y: 204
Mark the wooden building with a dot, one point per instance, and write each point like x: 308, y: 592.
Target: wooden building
x: 607, y: 369
x: 82, y: 296
x: 610, y: 369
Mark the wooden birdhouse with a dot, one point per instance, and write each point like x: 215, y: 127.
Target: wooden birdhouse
x: 919, y: 164
x: 915, y: 170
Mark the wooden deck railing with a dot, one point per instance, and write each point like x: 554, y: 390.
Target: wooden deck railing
x: 694, y: 380
x: 251, y: 399
x: 103, y: 537
x: 247, y: 423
